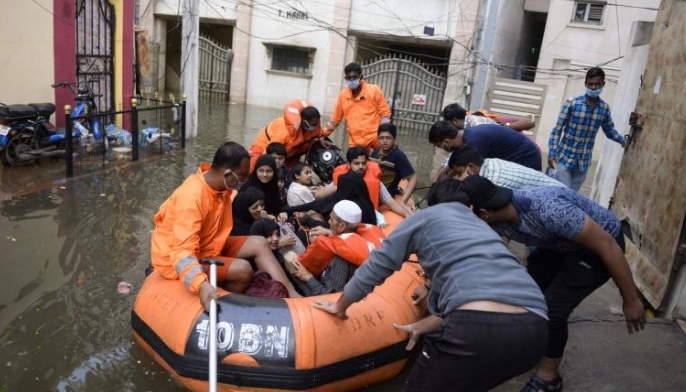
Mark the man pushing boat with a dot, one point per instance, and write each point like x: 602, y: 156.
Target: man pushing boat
x: 488, y: 316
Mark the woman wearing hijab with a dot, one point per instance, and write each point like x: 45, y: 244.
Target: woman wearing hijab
x: 247, y: 207
x: 264, y: 179
x: 351, y: 186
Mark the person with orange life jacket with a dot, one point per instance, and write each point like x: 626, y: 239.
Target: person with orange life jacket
x: 330, y: 261
x: 194, y: 223
x: 358, y: 162
x: 364, y: 108
x: 296, y: 130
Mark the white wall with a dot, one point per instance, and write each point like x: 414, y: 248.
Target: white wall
x: 210, y: 9
x: 571, y: 45
x: 275, y: 90
x: 27, y: 67
x: 404, y: 17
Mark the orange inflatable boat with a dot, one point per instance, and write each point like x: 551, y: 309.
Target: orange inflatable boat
x: 267, y: 344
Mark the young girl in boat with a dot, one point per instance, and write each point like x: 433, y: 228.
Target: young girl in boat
x: 301, y: 190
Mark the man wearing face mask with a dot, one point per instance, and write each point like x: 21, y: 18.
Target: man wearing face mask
x: 194, y: 223
x: 364, y: 108
x: 571, y: 141
x: 297, y: 129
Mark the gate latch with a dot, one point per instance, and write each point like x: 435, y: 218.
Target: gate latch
x: 635, y: 125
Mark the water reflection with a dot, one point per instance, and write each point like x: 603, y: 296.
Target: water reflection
x: 67, y: 244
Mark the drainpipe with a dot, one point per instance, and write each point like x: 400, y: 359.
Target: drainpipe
x: 488, y: 13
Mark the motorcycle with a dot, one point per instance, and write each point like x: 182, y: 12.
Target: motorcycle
x: 40, y: 138
x: 14, y: 119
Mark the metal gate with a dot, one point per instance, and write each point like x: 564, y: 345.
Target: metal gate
x: 95, y: 49
x: 215, y: 69
x: 517, y: 98
x: 413, y: 90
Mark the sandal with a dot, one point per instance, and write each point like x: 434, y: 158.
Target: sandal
x: 536, y: 384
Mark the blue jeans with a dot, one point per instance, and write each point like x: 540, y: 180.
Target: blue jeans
x: 571, y: 178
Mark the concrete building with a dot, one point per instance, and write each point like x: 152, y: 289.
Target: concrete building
x: 46, y: 41
x: 297, y: 49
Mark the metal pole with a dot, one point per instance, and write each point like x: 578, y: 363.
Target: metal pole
x: 183, y: 122
x: 395, y: 87
x: 212, y: 381
x: 70, y: 141
x: 134, y: 129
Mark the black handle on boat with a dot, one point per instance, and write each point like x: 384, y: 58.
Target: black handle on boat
x: 212, y: 261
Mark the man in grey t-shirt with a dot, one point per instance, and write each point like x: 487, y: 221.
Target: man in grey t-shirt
x: 488, y: 317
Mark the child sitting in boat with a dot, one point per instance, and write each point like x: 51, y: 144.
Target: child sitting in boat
x: 334, y: 254
x: 301, y: 190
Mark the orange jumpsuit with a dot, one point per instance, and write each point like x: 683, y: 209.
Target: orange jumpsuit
x: 372, y: 177
x: 363, y: 114
x: 192, y: 224
x: 286, y: 130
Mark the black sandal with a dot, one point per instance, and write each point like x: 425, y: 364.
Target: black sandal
x: 536, y: 384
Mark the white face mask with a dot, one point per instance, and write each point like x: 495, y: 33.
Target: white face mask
x: 238, y: 186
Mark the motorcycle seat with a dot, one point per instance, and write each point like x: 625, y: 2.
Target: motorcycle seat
x: 17, y: 111
x: 45, y: 109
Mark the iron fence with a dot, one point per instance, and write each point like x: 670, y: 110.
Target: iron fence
x: 154, y: 127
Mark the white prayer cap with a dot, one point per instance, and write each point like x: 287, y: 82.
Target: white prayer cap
x: 348, y: 211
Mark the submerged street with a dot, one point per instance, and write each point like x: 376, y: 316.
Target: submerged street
x: 67, y: 244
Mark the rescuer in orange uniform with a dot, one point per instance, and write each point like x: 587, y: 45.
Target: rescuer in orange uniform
x: 364, y: 107
x: 194, y: 223
x: 358, y: 162
x: 299, y: 127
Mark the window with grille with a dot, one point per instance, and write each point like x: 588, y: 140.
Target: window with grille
x: 588, y: 13
x: 291, y: 59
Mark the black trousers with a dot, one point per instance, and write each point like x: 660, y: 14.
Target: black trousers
x: 566, y: 279
x: 476, y: 351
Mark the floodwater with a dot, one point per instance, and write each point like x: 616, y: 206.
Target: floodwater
x: 66, y: 244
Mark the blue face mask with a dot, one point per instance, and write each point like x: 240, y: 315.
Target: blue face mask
x: 310, y: 128
x: 353, y: 84
x: 594, y: 93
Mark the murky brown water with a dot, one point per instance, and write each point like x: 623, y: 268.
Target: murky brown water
x: 65, y: 245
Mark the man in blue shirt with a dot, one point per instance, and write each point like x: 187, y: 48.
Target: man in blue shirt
x: 394, y: 164
x: 492, y: 141
x: 579, y: 246
x: 571, y: 141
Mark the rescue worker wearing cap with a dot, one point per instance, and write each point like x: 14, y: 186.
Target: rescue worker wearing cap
x: 297, y: 129
x: 194, y: 223
x: 364, y: 108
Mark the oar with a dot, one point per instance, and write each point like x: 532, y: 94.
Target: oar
x: 213, y: 324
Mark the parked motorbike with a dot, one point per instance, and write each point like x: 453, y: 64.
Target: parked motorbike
x: 42, y: 139
x: 14, y: 119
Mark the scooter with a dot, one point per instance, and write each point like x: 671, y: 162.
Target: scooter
x: 14, y: 119
x: 42, y: 139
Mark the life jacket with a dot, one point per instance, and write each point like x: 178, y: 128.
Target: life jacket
x: 371, y: 233
x: 351, y: 247
x: 285, y: 130
x: 486, y: 113
x: 372, y: 177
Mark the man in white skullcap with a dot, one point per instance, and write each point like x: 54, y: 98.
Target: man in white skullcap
x: 334, y: 254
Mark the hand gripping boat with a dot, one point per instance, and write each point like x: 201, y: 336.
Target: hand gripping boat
x: 269, y: 344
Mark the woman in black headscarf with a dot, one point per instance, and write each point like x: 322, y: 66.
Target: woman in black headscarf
x: 264, y: 178
x: 351, y: 186
x: 247, y: 207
